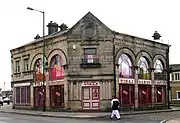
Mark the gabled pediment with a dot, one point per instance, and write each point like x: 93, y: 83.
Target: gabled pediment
x: 90, y: 27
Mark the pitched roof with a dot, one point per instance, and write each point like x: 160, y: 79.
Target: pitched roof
x: 46, y: 37
x: 175, y: 67
x: 89, y: 14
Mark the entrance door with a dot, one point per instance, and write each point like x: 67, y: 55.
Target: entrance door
x: 90, y: 98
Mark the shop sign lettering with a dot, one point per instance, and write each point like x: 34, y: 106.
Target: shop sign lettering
x: 127, y: 81
x: 90, y: 83
x: 144, y: 82
x: 158, y: 82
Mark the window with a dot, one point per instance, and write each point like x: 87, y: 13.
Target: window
x: 90, y: 55
x: 57, y: 68
x: 178, y: 95
x: 39, y: 66
x: 176, y: 75
x: 143, y: 72
x: 125, y: 66
x: 26, y: 65
x: 158, y: 72
x: 17, y: 67
x: 22, y: 95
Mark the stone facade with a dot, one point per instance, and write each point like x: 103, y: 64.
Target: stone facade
x: 85, y: 76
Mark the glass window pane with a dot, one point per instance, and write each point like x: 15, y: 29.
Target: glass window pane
x: 90, y: 51
x: 57, y: 69
x: 23, y: 95
x: 17, y: 95
x: 125, y: 66
x: 28, y: 94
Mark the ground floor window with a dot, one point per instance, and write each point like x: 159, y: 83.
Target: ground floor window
x: 39, y: 96
x: 22, y: 95
x: 178, y: 95
x: 159, y: 94
x: 126, y: 94
x: 57, y: 96
x: 144, y: 94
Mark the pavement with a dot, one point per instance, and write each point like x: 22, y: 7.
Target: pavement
x: 175, y: 120
x: 84, y: 115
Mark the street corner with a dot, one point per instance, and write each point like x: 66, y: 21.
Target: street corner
x: 174, y: 120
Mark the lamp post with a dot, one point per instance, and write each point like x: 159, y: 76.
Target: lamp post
x: 114, y: 64
x: 168, y: 74
x: 44, y: 107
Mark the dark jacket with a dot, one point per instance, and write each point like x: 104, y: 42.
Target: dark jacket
x: 115, y: 104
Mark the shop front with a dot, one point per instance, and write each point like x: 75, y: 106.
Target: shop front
x: 91, y: 95
x: 144, y: 92
x: 57, y: 96
x: 126, y: 92
x: 22, y: 94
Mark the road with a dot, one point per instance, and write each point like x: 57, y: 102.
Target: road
x: 15, y: 118
x: 141, y: 118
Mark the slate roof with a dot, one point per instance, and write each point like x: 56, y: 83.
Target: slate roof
x: 59, y: 33
x: 175, y: 67
x: 66, y: 31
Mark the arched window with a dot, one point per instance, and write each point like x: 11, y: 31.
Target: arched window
x: 125, y: 66
x: 158, y: 70
x: 143, y: 67
x: 57, y: 69
x: 38, y: 67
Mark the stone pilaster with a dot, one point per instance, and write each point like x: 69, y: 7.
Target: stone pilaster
x: 47, y: 91
x: 66, y: 92
x: 152, y: 86
x: 117, y: 81
x: 32, y: 95
x: 136, y: 91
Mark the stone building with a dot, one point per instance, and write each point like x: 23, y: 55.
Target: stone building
x: 81, y: 72
x: 175, y: 82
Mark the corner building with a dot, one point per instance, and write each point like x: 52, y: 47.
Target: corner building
x: 79, y: 73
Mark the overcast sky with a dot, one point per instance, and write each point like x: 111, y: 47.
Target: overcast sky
x: 141, y: 18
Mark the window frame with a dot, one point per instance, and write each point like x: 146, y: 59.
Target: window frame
x: 27, y: 95
x: 129, y: 62
x: 94, y: 59
x: 26, y: 64
x: 17, y: 66
x: 177, y: 95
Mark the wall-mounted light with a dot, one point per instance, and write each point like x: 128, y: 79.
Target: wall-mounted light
x: 74, y: 46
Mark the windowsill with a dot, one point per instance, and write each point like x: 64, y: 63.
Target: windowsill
x: 175, y: 99
x: 17, y: 73
x: 22, y: 104
x: 27, y: 71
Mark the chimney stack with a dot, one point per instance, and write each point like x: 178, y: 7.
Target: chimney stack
x: 52, y: 27
x: 156, y: 36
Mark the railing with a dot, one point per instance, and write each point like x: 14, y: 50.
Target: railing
x: 90, y: 61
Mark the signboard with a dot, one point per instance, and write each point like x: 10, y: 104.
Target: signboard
x: 22, y: 84
x: 160, y: 82
x: 90, y: 83
x: 126, y: 81
x: 142, y: 81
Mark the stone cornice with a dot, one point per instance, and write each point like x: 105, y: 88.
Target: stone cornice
x: 30, y: 48
x: 140, y: 44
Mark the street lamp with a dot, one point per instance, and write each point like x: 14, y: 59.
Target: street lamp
x: 114, y: 64
x: 44, y: 107
x: 168, y: 76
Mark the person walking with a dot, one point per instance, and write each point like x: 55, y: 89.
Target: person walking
x: 115, y: 106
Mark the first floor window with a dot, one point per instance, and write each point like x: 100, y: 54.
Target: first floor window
x: 22, y: 95
x: 17, y: 66
x: 90, y: 55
